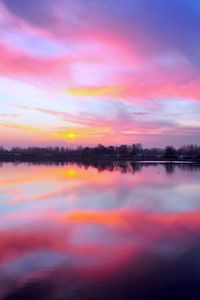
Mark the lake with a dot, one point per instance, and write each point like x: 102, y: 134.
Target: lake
x: 102, y: 231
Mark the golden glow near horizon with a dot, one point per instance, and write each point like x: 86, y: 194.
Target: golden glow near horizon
x: 71, y: 135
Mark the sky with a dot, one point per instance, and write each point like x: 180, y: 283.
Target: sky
x: 84, y: 72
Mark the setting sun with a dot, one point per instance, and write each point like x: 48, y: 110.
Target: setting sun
x: 71, y: 135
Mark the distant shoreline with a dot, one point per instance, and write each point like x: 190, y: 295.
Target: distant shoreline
x: 102, y: 154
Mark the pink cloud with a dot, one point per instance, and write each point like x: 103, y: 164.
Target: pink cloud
x: 16, y: 62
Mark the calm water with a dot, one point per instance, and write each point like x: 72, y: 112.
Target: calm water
x: 100, y: 232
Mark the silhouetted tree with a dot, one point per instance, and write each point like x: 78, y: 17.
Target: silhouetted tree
x: 170, y: 152
x: 136, y: 149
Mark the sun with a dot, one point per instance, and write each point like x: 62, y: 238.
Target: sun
x: 71, y: 135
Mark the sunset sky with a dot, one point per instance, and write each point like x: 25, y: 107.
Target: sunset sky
x: 83, y: 72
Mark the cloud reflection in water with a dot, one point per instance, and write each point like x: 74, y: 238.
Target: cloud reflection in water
x: 77, y: 233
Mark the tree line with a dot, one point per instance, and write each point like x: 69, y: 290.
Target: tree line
x: 124, y: 152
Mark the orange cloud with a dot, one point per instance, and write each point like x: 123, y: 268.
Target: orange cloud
x: 20, y: 126
x: 109, y: 218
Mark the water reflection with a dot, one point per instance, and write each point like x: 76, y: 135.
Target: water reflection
x: 114, y: 231
x: 123, y: 167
